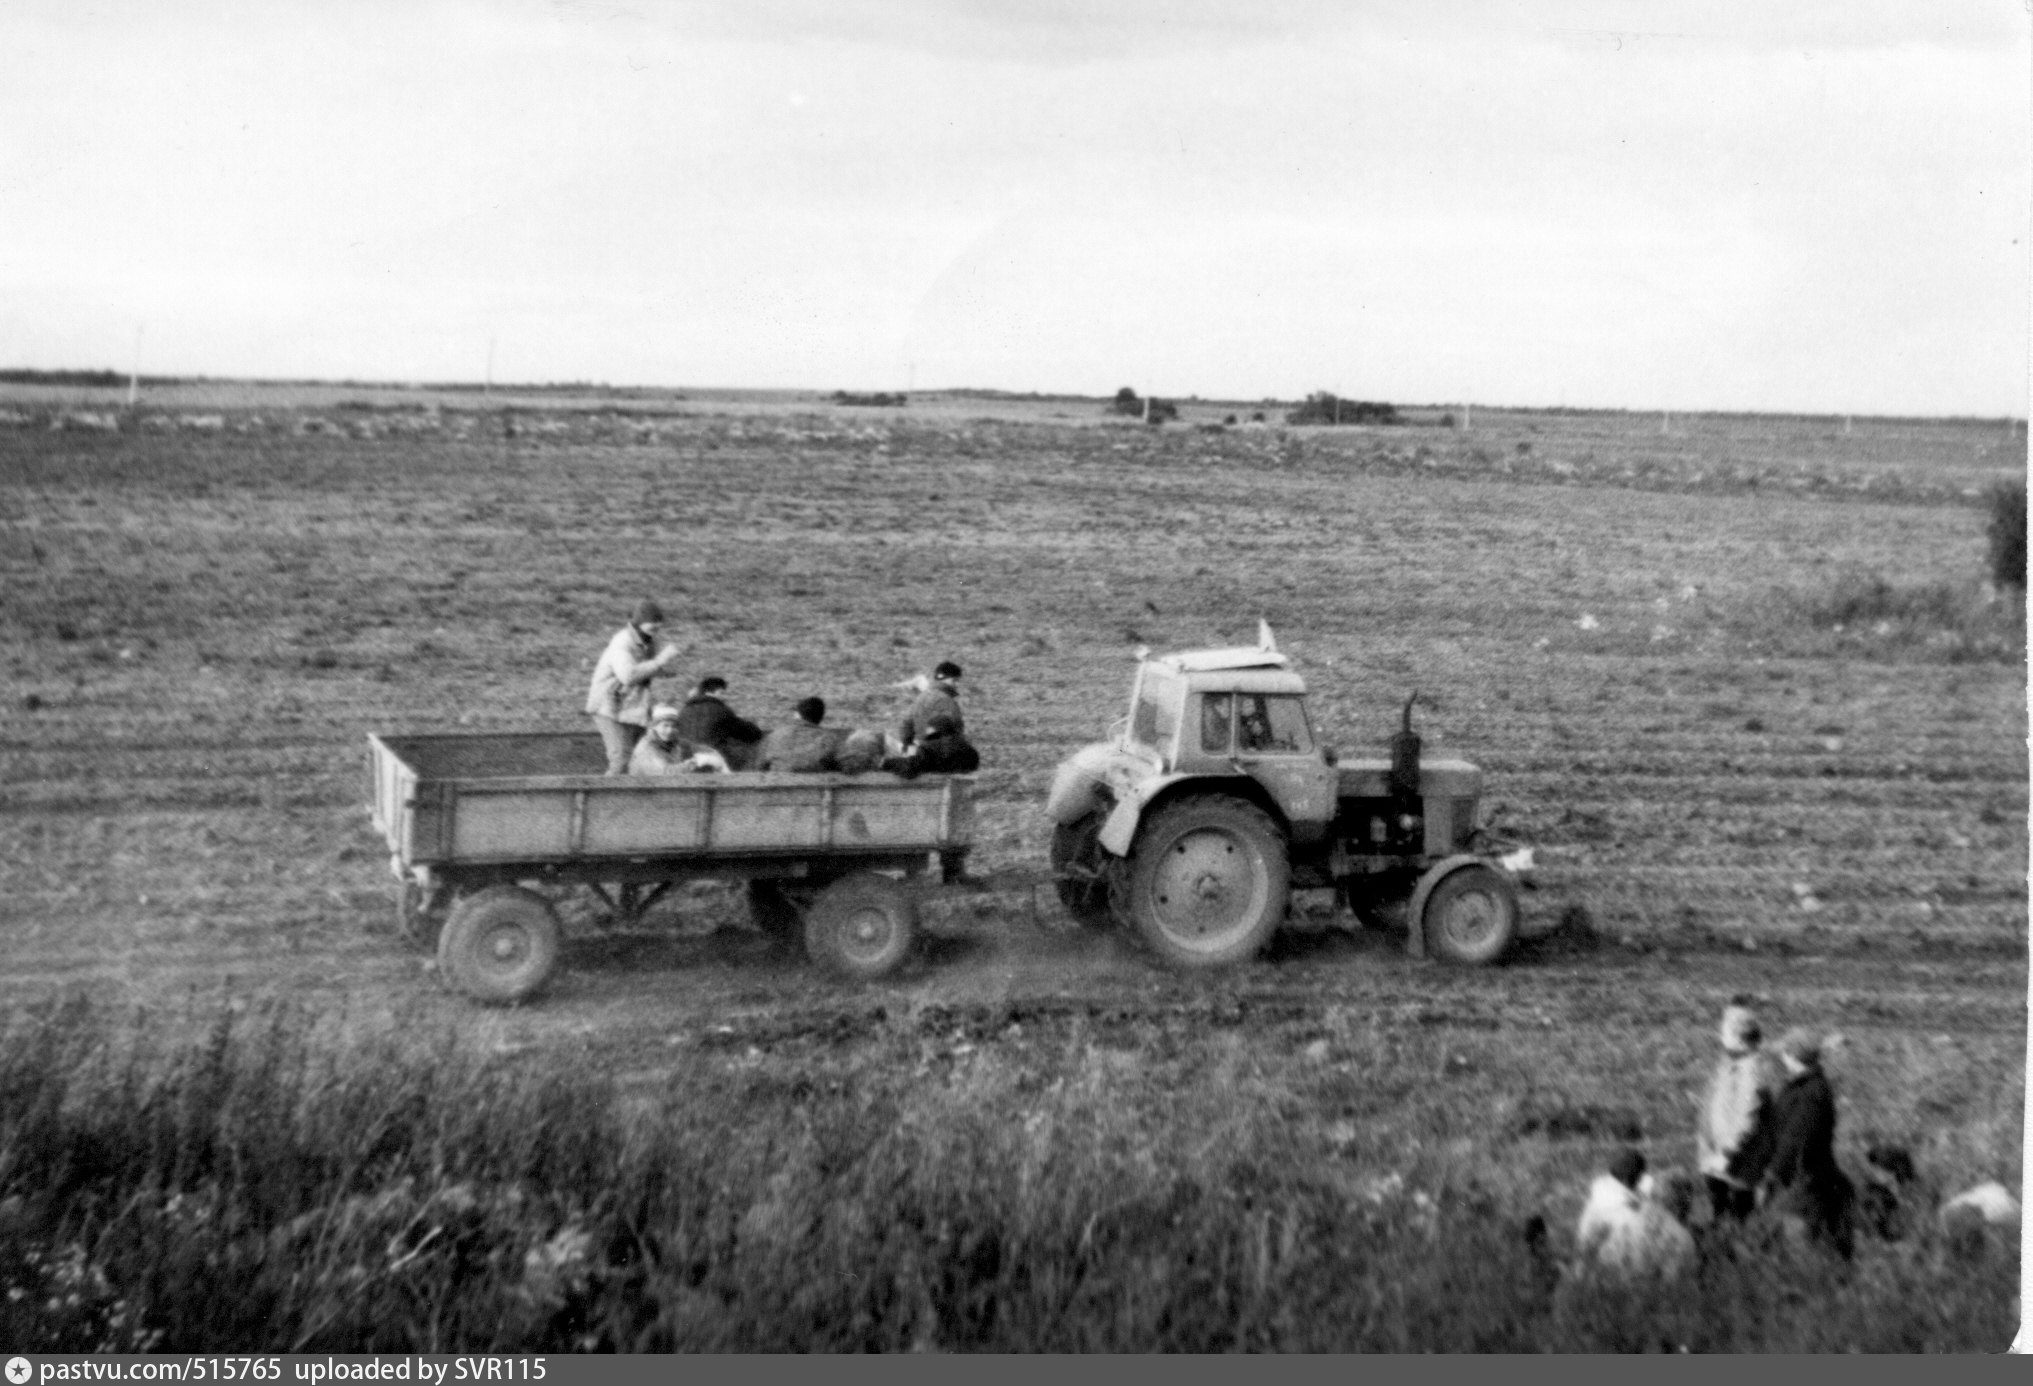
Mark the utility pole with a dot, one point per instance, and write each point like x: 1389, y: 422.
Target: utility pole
x: 134, y: 375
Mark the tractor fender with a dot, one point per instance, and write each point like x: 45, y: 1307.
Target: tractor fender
x: 1119, y: 830
x: 1415, y: 914
x: 1078, y: 782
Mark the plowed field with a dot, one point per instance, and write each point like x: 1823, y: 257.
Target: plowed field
x: 1733, y: 780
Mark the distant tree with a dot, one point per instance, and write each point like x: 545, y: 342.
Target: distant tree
x: 1324, y: 407
x: 1126, y: 402
x: 2008, y: 534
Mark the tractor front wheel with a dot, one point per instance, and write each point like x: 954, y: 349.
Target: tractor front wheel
x: 1207, y: 882
x: 1079, y: 870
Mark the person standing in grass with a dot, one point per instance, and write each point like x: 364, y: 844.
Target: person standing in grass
x: 1735, y: 1136
x: 1801, y: 1183
x: 619, y: 699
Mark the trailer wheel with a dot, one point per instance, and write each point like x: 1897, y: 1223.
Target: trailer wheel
x: 1471, y: 916
x: 500, y: 945
x: 420, y: 914
x: 773, y: 912
x: 1078, y: 870
x: 1207, y: 882
x: 862, y: 926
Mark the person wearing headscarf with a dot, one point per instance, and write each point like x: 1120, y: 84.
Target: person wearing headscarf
x: 1734, y: 1137
x: 664, y: 752
x: 619, y: 699
x: 1802, y: 1181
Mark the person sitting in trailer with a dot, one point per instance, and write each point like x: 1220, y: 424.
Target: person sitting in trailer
x: 941, y: 750
x: 801, y: 745
x: 706, y: 720
x: 939, y: 696
x: 663, y: 752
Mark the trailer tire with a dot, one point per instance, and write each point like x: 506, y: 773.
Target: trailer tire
x: 1077, y: 846
x: 862, y: 926
x: 1470, y: 916
x: 1207, y: 882
x: 500, y: 945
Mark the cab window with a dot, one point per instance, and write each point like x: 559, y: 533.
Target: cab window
x: 1154, y: 720
x: 1214, y: 722
x: 1272, y: 724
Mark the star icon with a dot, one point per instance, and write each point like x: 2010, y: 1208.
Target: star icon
x: 18, y: 1371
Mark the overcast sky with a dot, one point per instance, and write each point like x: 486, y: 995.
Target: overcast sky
x: 1725, y: 204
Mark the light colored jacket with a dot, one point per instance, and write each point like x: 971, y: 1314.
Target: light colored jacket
x: 621, y: 679
x: 652, y: 758
x: 1733, y: 1140
x: 1625, y: 1232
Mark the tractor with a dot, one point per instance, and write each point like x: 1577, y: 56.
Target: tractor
x: 1214, y: 798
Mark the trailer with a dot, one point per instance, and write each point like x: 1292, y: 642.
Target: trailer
x: 485, y: 829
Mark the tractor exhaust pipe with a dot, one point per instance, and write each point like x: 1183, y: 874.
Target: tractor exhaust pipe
x: 1404, y: 779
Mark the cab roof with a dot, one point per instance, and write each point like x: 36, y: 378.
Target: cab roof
x: 1238, y: 657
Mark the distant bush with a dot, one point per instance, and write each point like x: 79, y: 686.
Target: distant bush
x: 879, y: 399
x: 1132, y: 405
x: 2008, y: 534
x: 1323, y: 407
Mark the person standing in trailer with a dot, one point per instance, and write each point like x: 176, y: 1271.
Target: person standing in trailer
x: 619, y: 699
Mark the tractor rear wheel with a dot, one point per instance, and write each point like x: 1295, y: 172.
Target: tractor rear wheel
x: 1471, y: 916
x: 499, y: 945
x: 1079, y: 870
x: 1207, y: 882
x: 862, y: 926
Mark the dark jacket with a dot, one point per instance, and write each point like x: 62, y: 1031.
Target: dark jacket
x: 799, y: 746
x: 947, y: 754
x: 705, y: 720
x: 1802, y: 1177
x: 936, y: 701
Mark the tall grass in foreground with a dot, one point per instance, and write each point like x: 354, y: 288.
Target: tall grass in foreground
x: 267, y: 1189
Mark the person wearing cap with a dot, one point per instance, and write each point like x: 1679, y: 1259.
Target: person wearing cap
x: 802, y: 744
x: 1733, y: 1141
x: 706, y: 720
x: 619, y: 698
x: 665, y: 752
x: 1802, y: 1182
x: 939, y: 698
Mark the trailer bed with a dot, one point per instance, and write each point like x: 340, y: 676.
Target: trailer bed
x: 542, y: 799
